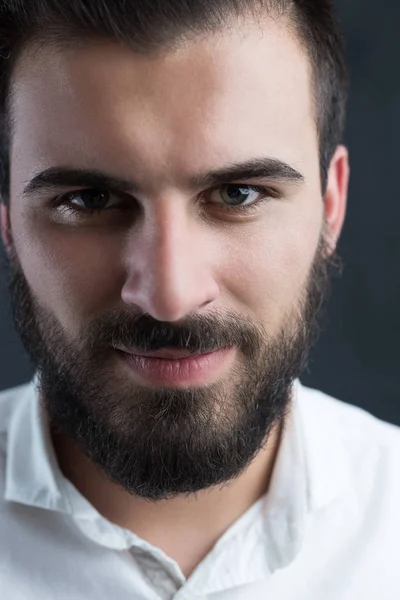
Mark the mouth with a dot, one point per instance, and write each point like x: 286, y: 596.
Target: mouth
x: 175, y: 367
x: 166, y: 353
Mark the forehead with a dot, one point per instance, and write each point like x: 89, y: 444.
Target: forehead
x: 221, y: 98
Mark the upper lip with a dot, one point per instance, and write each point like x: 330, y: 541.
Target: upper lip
x: 174, y: 353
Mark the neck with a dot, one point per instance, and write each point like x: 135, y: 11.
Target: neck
x: 185, y: 528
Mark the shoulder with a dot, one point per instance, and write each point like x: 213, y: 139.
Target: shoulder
x: 355, y: 426
x: 357, y: 455
x: 369, y: 446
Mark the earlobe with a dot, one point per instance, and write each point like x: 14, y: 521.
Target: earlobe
x: 335, y: 200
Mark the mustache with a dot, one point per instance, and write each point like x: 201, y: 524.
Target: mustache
x: 143, y: 333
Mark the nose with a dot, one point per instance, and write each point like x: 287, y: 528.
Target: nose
x: 170, y: 266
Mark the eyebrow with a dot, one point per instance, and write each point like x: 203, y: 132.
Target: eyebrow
x: 257, y: 168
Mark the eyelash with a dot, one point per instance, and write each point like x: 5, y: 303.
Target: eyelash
x: 63, y: 201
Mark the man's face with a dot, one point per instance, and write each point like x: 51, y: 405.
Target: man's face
x: 168, y: 263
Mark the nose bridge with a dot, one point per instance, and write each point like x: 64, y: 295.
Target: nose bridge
x: 169, y: 270
x: 171, y: 260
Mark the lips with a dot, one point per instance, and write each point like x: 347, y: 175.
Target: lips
x: 166, y: 353
x: 191, y: 370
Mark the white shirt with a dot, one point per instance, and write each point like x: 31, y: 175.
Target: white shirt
x: 328, y: 528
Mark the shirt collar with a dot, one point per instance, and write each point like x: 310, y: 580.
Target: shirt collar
x: 311, y: 469
x: 33, y: 476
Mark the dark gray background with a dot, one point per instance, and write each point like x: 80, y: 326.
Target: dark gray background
x: 357, y: 356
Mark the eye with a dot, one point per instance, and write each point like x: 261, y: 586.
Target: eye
x: 92, y: 202
x: 89, y: 200
x: 239, y: 197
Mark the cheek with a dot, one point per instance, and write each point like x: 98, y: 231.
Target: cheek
x: 268, y: 266
x: 74, y: 276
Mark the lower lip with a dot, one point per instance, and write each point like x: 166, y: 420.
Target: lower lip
x: 199, y: 369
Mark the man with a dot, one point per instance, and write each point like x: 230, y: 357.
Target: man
x: 173, y: 190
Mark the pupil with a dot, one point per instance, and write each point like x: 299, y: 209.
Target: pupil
x: 237, y: 193
x: 94, y: 198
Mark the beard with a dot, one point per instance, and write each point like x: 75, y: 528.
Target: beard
x: 157, y: 443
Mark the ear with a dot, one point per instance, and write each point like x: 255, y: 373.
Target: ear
x: 5, y: 224
x: 335, y: 199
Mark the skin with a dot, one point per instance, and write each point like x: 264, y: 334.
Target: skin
x: 161, y: 120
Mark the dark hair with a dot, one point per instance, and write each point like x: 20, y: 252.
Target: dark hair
x: 151, y: 26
